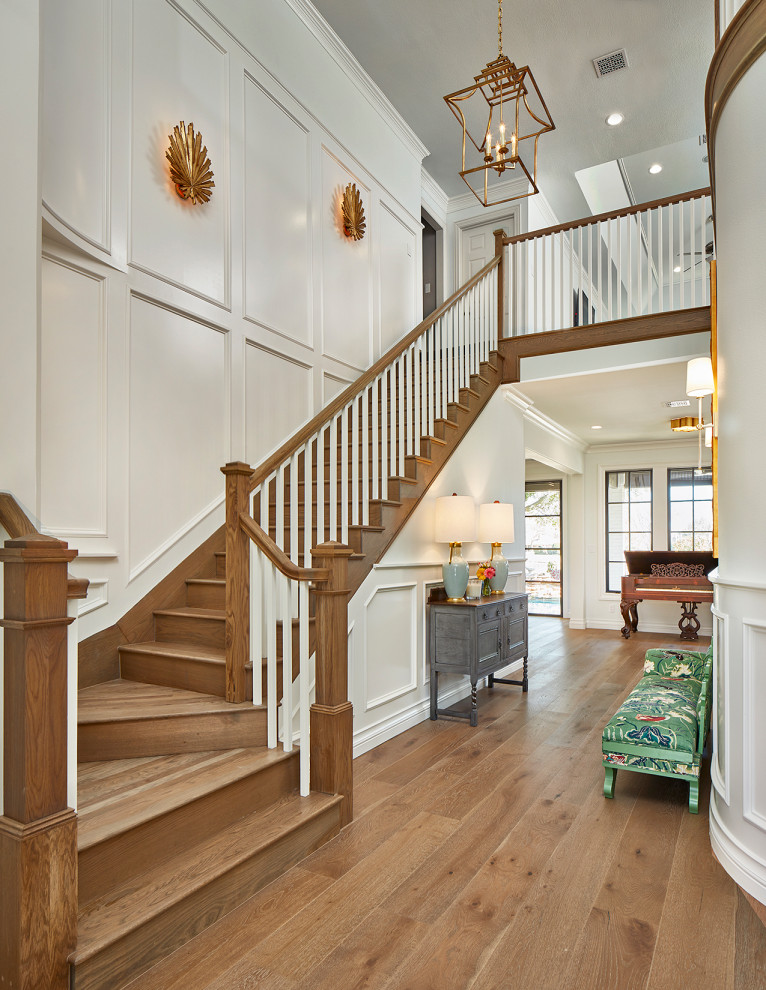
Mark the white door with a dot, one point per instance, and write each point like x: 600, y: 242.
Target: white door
x: 476, y: 247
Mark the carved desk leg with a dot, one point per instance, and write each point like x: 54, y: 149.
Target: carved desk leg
x: 689, y: 623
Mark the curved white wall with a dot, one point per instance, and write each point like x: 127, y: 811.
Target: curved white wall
x: 738, y: 803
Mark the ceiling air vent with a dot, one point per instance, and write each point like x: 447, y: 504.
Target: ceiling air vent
x: 612, y: 62
x: 676, y: 403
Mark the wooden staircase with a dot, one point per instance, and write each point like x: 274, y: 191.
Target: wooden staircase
x: 183, y: 811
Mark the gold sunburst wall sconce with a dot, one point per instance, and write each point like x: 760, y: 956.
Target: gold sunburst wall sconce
x: 189, y: 165
x: 354, y: 222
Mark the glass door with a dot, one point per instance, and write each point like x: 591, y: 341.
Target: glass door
x: 542, y: 507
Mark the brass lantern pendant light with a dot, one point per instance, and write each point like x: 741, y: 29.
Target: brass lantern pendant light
x: 503, y: 95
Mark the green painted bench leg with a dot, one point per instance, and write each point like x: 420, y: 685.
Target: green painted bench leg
x: 694, y: 796
x: 609, y: 775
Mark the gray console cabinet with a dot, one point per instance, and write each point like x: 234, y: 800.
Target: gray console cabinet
x: 476, y: 637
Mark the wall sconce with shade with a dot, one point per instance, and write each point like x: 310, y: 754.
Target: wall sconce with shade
x: 496, y: 528
x: 699, y: 383
x: 455, y: 523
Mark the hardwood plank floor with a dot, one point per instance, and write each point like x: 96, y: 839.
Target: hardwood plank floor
x: 489, y: 858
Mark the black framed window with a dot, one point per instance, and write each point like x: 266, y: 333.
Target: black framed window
x: 690, y: 509
x: 628, y: 520
x: 543, y: 525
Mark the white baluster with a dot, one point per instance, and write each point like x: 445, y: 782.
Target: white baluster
x: 682, y: 274
x: 304, y: 687
x: 287, y: 665
x: 400, y: 416
x: 333, y: 472
x: 320, y: 486
x: 650, y: 260
x: 416, y: 377
x: 353, y: 411
x: 270, y: 616
x: 279, y: 494
x: 383, y: 393
x: 369, y: 450
x: 256, y: 610
x: 693, y: 252
x: 344, y: 481
x: 308, y: 501
x: 671, y: 259
x: 661, y: 256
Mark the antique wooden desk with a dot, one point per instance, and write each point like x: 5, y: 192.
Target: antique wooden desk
x: 476, y: 637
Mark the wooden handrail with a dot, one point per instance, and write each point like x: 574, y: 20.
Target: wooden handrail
x: 278, y: 557
x: 17, y: 523
x: 262, y: 472
x: 601, y: 217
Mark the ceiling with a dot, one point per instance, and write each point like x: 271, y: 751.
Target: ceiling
x: 627, y: 403
x: 418, y: 51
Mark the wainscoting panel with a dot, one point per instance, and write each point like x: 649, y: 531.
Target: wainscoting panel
x: 390, y: 643
x: 178, y: 426
x: 75, y: 48
x: 179, y: 73
x: 719, y: 767
x: 332, y: 386
x: 72, y: 363
x: 398, y: 259
x: 346, y: 271
x: 278, y: 399
x: 277, y: 276
x: 753, y: 728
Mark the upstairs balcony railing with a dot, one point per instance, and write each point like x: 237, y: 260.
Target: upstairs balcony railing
x: 639, y: 261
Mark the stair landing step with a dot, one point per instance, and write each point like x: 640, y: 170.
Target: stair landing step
x: 137, y: 924
x: 124, y: 794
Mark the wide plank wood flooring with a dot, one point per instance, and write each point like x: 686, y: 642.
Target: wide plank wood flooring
x: 488, y: 858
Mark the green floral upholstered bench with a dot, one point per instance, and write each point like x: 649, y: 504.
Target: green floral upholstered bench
x: 661, y: 726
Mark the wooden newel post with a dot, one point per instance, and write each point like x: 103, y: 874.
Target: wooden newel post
x: 332, y: 721
x: 500, y: 252
x: 237, y: 580
x: 38, y: 833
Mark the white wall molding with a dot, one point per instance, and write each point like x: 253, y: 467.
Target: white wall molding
x: 641, y: 445
x: 739, y: 584
x: 720, y: 775
x: 98, y: 596
x: 434, y: 197
x: 503, y: 190
x: 745, y: 868
x: 175, y: 538
x: 332, y: 44
x: 411, y: 683
x: 753, y: 689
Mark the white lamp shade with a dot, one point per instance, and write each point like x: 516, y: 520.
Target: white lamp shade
x: 708, y: 434
x: 455, y: 519
x: 496, y: 523
x: 699, y: 377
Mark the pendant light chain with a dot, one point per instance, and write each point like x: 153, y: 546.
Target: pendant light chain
x: 500, y: 28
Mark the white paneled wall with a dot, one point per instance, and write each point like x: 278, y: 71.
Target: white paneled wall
x: 177, y: 423
x: 73, y: 482
x: 178, y: 337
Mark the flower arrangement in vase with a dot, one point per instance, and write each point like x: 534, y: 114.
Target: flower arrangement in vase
x: 484, y: 573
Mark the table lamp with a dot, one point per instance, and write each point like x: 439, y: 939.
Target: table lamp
x: 455, y: 521
x: 496, y: 528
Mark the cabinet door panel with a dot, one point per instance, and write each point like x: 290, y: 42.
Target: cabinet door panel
x: 489, y: 642
x: 515, y: 636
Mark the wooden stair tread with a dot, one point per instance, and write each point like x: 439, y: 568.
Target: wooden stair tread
x: 199, y: 613
x: 143, y: 791
x: 136, y: 902
x: 123, y: 700
x: 189, y: 651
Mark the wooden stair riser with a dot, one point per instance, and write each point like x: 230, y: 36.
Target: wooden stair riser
x: 220, y: 564
x: 192, y: 629
x: 173, y: 671
x: 138, y: 850
x: 123, y: 960
x: 207, y: 593
x: 132, y: 739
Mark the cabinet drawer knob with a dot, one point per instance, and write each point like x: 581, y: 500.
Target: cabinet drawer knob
x: 497, y: 611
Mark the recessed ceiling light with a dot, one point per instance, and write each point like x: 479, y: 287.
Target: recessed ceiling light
x: 655, y: 169
x: 677, y: 268
x: 597, y: 427
x: 614, y: 119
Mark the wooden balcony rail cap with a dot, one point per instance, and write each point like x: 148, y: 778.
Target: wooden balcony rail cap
x: 602, y: 217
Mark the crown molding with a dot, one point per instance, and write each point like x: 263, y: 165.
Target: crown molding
x: 431, y: 190
x: 597, y: 448
x: 342, y: 56
x: 520, y: 401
